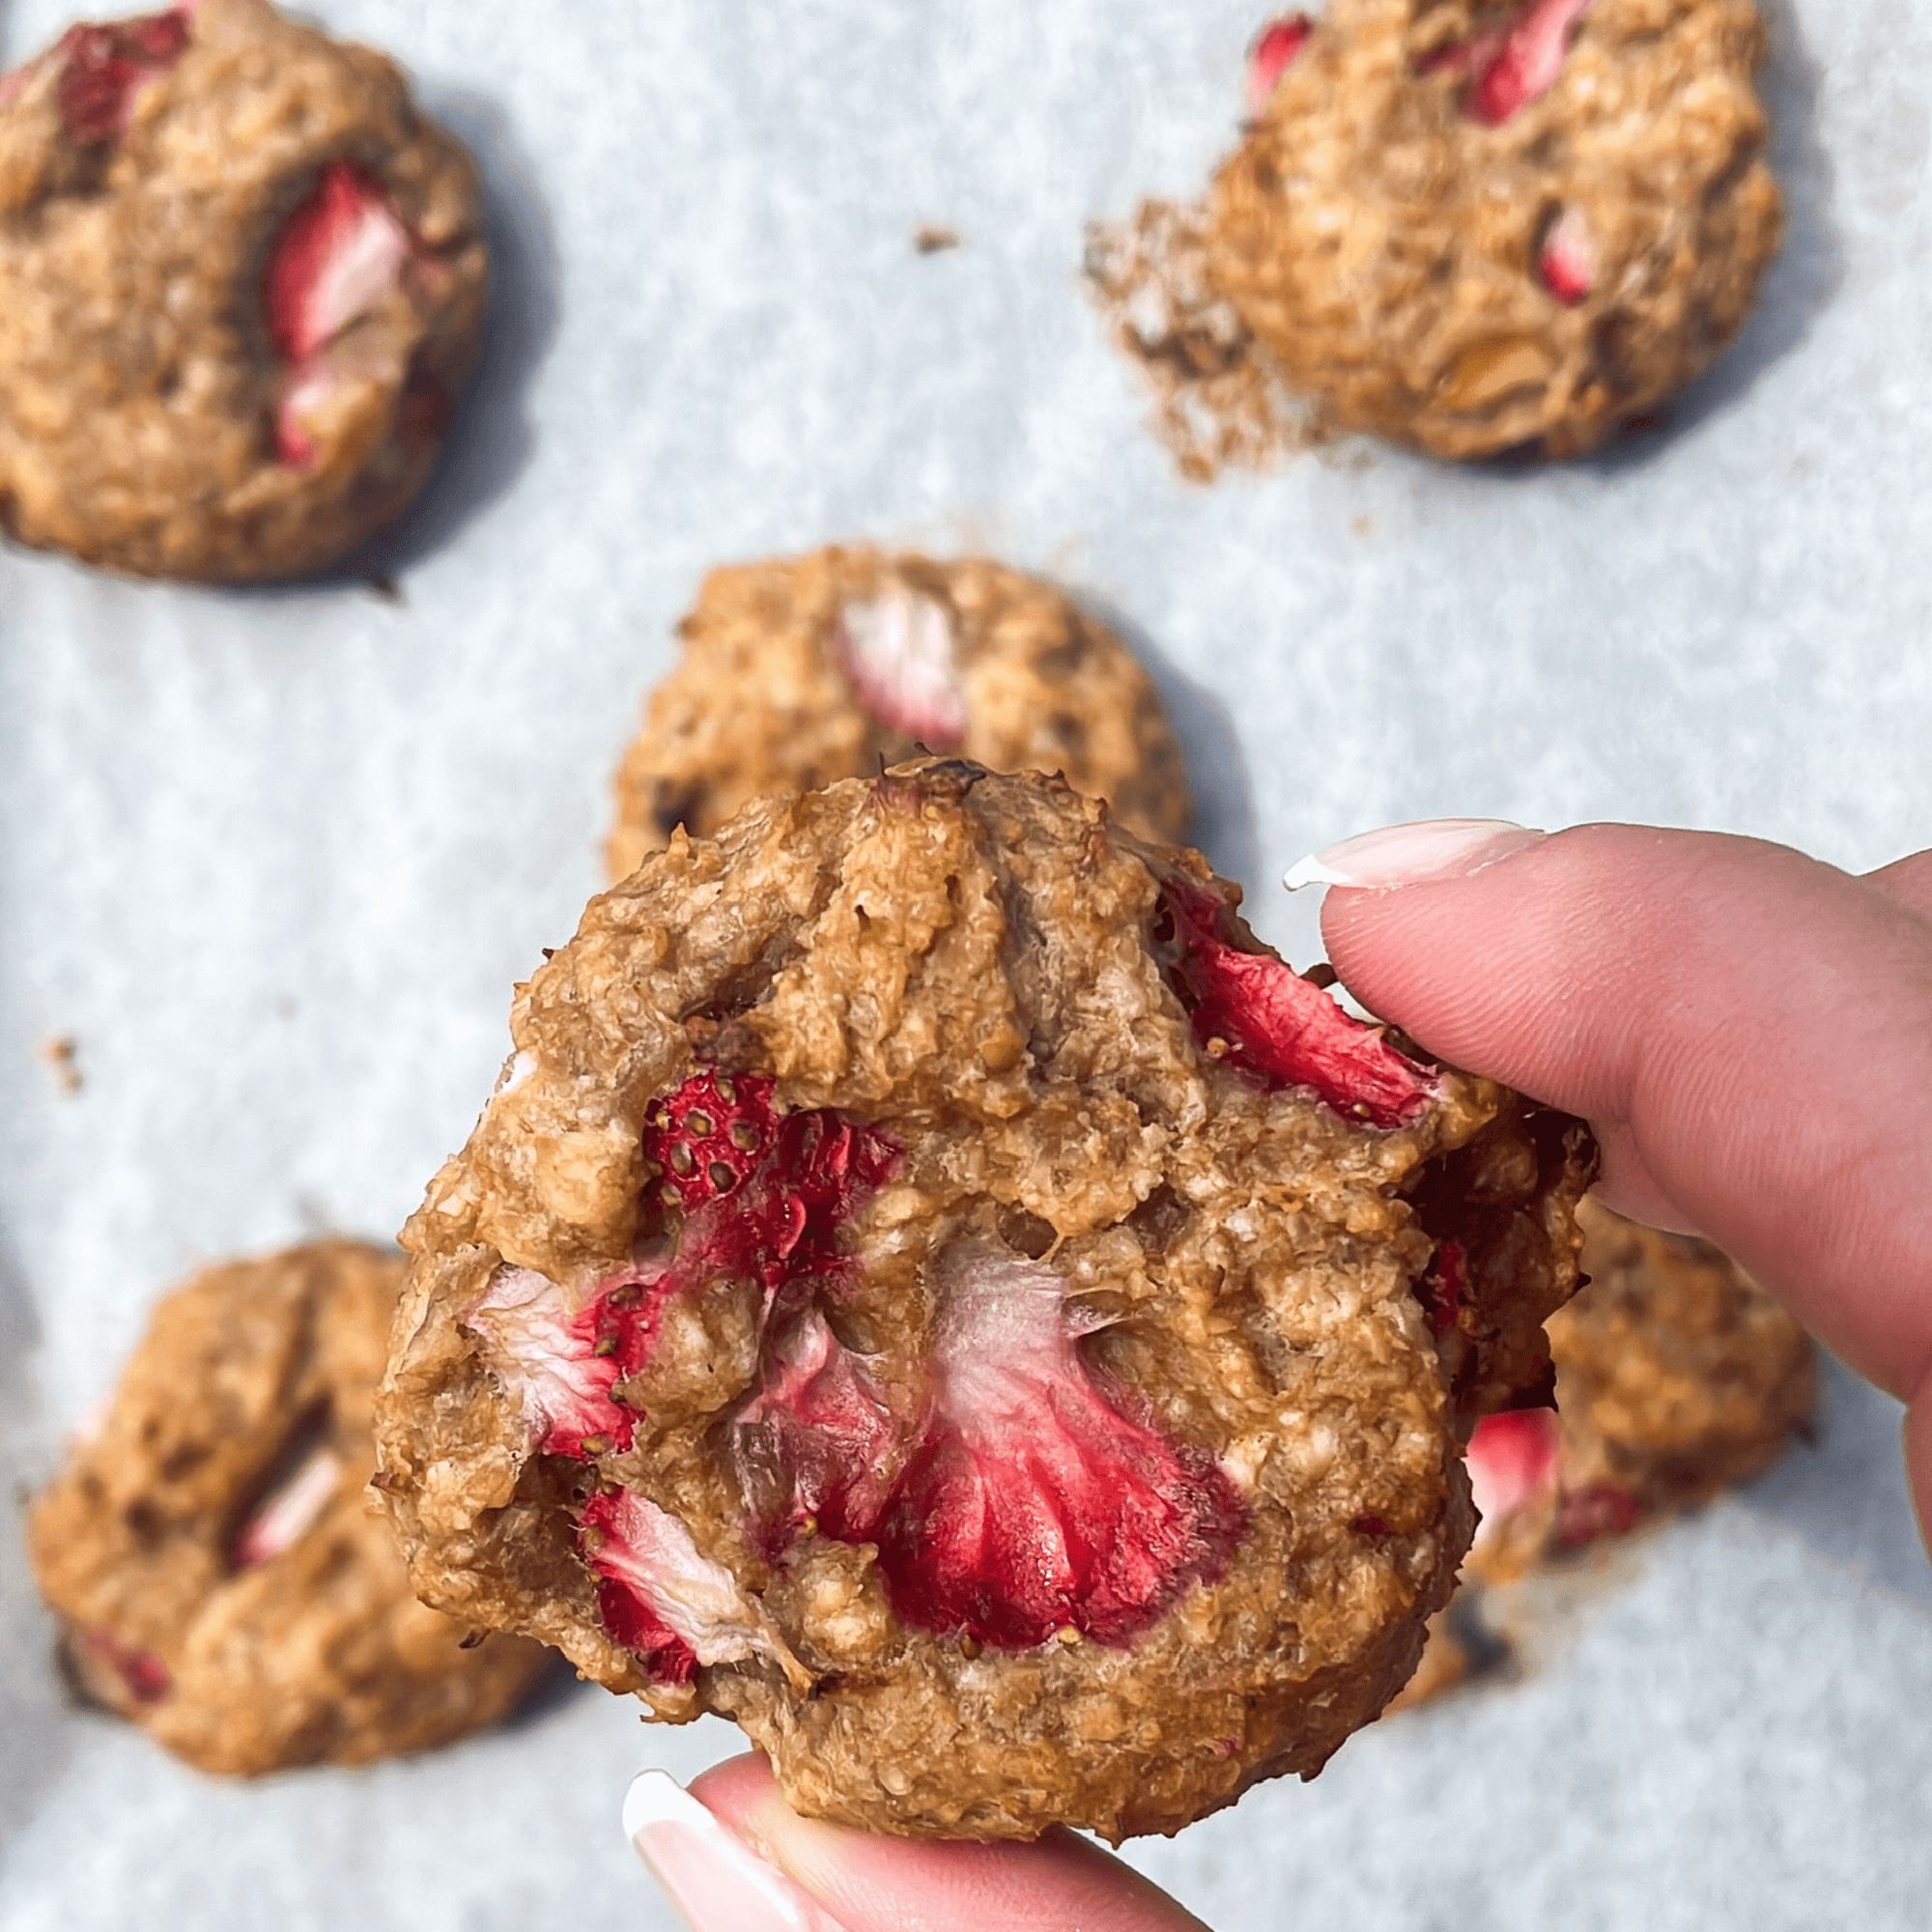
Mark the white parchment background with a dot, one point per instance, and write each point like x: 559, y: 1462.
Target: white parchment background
x: 274, y: 861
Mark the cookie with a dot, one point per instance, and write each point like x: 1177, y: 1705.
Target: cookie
x: 1676, y: 1376
x: 930, y: 1286
x: 1465, y: 229
x: 799, y: 671
x: 242, y: 286
x: 219, y: 1576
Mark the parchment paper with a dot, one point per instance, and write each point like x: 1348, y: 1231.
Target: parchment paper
x: 273, y: 862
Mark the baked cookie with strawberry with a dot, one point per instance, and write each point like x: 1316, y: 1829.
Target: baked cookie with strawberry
x: 242, y: 286
x: 796, y: 672
x: 931, y: 1286
x: 1676, y: 1376
x: 210, y: 1553
x: 1672, y: 1376
x: 1465, y: 227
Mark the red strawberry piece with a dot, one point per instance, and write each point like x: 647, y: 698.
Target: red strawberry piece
x: 1255, y: 1013
x: 337, y: 255
x: 661, y: 1597
x: 1566, y: 264
x: 709, y: 1136
x: 144, y: 1674
x: 282, y: 1516
x: 1511, y: 1462
x: 898, y: 649
x: 1444, y: 1289
x: 764, y: 1196
x: 563, y: 1362
x: 1601, y: 1509
x: 104, y: 67
x: 1525, y: 64
x: 814, y: 1446
x: 1032, y: 1505
x: 1272, y: 53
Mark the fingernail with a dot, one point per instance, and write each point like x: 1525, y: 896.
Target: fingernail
x: 712, y: 1877
x: 1413, y: 855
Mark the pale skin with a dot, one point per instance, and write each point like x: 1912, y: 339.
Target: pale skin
x: 1748, y: 1031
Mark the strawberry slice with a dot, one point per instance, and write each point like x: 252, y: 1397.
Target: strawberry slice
x: 1444, y: 1289
x: 144, y: 1674
x: 1526, y: 62
x: 1273, y: 52
x: 1511, y: 1463
x: 1254, y: 1012
x: 1032, y: 1505
x: 898, y: 649
x: 1597, y: 1510
x: 104, y: 67
x: 337, y: 256
x: 562, y: 1362
x: 1565, y: 265
x: 815, y: 1448
x: 281, y: 1519
x: 661, y: 1597
x: 763, y: 1195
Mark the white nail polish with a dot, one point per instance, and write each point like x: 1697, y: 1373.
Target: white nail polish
x: 712, y: 1877
x: 1411, y: 855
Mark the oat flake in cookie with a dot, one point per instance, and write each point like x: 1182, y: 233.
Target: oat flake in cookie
x: 1461, y: 227
x: 242, y: 285
x: 797, y: 671
x: 930, y: 1286
x: 211, y: 1551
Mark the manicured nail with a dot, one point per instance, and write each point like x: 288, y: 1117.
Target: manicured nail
x: 712, y: 1877
x: 1413, y: 855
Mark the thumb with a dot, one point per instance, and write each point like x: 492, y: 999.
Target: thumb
x: 1748, y: 1031
x: 810, y: 1877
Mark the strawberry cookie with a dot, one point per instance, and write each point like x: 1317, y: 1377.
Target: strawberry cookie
x: 210, y: 1553
x: 932, y: 1287
x: 799, y: 671
x: 1465, y: 227
x: 242, y: 285
x: 1674, y: 1375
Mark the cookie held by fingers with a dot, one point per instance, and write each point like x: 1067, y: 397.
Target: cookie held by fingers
x: 219, y: 1575
x: 241, y: 287
x: 933, y: 1287
x: 797, y: 671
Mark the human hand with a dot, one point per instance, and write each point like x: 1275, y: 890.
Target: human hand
x: 735, y: 1858
x: 1749, y: 1032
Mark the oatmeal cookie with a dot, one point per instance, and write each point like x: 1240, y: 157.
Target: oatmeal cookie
x: 211, y: 1554
x: 801, y: 671
x: 242, y: 284
x: 1676, y: 1376
x: 1464, y: 227
x: 930, y: 1286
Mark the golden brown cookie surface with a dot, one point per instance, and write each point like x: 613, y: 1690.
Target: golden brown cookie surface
x: 242, y: 285
x: 931, y: 1287
x: 219, y: 1575
x: 1461, y: 227
x: 799, y: 671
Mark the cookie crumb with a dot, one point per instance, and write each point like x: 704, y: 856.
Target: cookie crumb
x: 61, y: 1053
x: 931, y: 238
